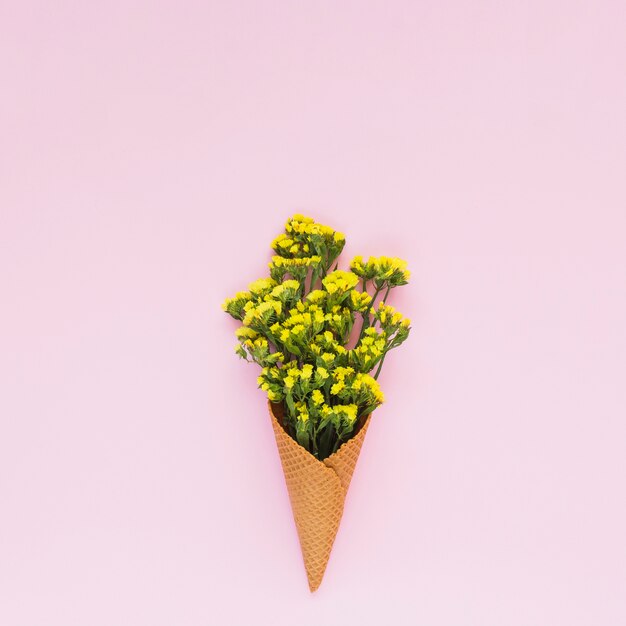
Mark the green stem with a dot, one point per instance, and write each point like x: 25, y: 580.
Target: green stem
x: 304, y: 295
x: 326, y: 265
x: 380, y: 366
x: 376, y: 295
x: 314, y: 445
x: 337, y: 444
x: 325, y: 442
x: 366, y: 316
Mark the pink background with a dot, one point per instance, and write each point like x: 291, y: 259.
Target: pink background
x: 150, y: 152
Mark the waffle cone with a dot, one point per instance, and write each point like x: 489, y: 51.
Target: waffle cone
x: 317, y: 490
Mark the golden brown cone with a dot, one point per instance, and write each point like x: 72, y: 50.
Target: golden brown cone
x: 317, y: 490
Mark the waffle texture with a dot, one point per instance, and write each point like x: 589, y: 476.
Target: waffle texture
x: 317, y: 490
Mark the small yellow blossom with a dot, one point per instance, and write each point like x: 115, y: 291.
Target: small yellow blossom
x: 318, y: 397
x: 337, y: 387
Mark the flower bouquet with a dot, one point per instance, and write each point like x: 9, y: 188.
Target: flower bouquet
x: 318, y: 338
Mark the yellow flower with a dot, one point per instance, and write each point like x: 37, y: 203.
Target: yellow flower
x: 341, y: 372
x: 303, y: 413
x: 236, y: 306
x: 316, y: 296
x: 382, y: 269
x: 360, y: 300
x: 278, y: 240
x: 337, y: 387
x: 356, y: 265
x: 289, y: 381
x: 340, y: 281
x: 373, y: 387
x: 263, y: 285
x: 245, y: 332
x: 298, y: 217
x: 349, y: 411
x: 323, y: 373
x: 318, y: 397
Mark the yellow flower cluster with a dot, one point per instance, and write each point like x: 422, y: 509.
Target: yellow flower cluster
x: 357, y: 387
x: 360, y: 300
x: 301, y: 225
x: 394, y: 326
x: 369, y: 351
x: 338, y: 413
x: 289, y: 248
x: 317, y: 397
x: 244, y: 300
x: 261, y: 287
x: 271, y: 381
x: 302, y: 413
x: 261, y: 316
x: 258, y: 350
x: 308, y: 314
x: 287, y: 290
x: 246, y: 334
x: 382, y: 270
x: 298, y: 268
x: 294, y: 375
x: 235, y: 306
x: 389, y: 318
x: 297, y: 323
x: 326, y: 350
x: 340, y: 321
x: 305, y: 244
x: 340, y: 282
x: 296, y: 331
x: 317, y: 296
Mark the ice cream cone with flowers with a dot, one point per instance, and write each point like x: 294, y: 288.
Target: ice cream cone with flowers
x: 320, y: 336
